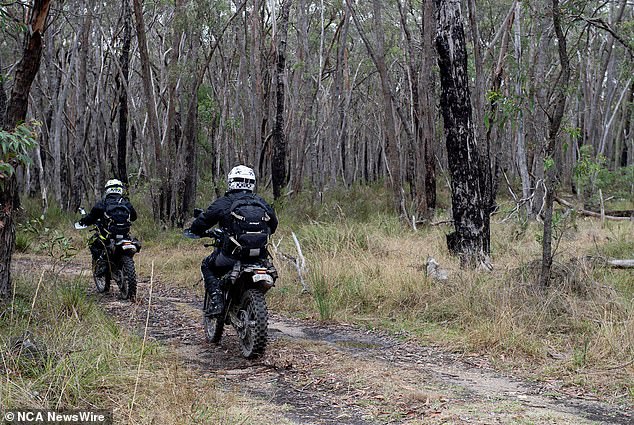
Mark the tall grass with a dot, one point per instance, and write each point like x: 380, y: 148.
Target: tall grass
x: 60, y: 350
x: 582, y: 325
x: 365, y: 266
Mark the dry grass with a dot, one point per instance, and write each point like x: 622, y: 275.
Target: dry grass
x: 580, y: 328
x: 364, y: 267
x: 59, y: 350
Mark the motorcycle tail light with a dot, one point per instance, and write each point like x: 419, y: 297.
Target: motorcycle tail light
x: 128, y: 247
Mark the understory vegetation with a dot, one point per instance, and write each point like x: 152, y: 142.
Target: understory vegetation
x: 60, y: 350
x: 363, y: 266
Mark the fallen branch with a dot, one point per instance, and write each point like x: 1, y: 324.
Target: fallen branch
x: 299, y: 262
x: 433, y: 223
x: 613, y: 263
x: 620, y: 213
x: 621, y: 264
x: 299, y: 252
x: 591, y: 213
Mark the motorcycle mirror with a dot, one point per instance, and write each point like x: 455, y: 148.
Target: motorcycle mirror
x: 189, y: 235
x: 197, y: 212
x: 79, y: 226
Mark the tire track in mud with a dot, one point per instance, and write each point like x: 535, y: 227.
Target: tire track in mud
x: 317, y: 373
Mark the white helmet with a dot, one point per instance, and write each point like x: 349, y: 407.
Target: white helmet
x: 241, y: 178
x: 114, y: 186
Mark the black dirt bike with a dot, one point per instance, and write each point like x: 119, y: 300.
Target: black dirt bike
x: 116, y: 261
x: 245, y: 309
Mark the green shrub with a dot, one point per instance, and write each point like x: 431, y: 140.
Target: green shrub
x: 23, y: 242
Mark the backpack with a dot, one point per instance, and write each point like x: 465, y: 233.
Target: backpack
x: 117, y: 216
x: 247, y: 230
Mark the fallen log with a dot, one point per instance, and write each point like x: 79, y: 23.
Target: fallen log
x: 621, y: 264
x: 592, y: 213
x: 621, y: 213
x: 611, y: 262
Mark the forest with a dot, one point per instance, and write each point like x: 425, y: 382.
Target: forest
x: 468, y: 120
x: 314, y: 95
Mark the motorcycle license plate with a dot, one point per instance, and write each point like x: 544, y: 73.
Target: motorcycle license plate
x: 262, y: 277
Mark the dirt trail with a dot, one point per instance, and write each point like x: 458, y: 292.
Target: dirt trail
x: 319, y: 373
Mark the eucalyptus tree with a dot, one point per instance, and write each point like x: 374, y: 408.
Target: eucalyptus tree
x: 16, y: 113
x: 471, y: 238
x: 278, y: 165
x: 555, y: 119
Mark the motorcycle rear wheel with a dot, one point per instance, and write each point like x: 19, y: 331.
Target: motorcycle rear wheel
x: 254, y: 318
x: 214, y: 326
x: 127, y: 279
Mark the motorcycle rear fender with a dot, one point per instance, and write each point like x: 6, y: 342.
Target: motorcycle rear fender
x: 128, y: 245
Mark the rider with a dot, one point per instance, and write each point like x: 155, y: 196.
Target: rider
x: 241, y: 183
x: 112, y: 203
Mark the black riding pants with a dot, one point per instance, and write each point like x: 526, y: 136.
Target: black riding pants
x: 214, y: 267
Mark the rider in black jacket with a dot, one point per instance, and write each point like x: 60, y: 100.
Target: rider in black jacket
x: 241, y: 182
x: 97, y: 215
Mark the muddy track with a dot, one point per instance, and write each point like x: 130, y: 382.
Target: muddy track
x: 316, y: 373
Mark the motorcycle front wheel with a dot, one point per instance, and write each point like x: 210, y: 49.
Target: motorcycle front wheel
x: 213, y: 325
x: 101, y: 276
x: 253, y: 324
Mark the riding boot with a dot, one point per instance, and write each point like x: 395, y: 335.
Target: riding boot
x: 99, y: 258
x: 216, y: 297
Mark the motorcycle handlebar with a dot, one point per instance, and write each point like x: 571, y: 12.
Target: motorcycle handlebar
x: 189, y: 235
x: 209, y: 233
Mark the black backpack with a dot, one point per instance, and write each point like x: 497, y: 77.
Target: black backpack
x: 117, y: 216
x: 248, y: 230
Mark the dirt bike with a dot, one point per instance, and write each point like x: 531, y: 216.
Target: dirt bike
x: 245, y: 309
x: 116, y: 261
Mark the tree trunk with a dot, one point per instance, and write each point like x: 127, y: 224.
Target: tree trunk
x: 522, y: 160
x: 341, y: 84
x: 416, y: 150
x: 82, y: 112
x: 16, y: 112
x: 478, y: 97
x: 257, y: 112
x: 185, y: 178
x: 428, y: 104
x: 154, y: 133
x: 58, y: 120
x: 8, y: 194
x: 539, y: 130
x: 471, y: 239
x: 494, y: 123
x: 555, y: 123
x: 278, y: 165
x: 627, y: 131
x: 3, y: 97
x: 391, y: 148
x: 171, y: 188
x: 189, y: 165
x: 122, y: 82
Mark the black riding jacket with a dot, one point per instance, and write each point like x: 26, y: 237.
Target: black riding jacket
x: 96, y: 214
x: 218, y: 213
